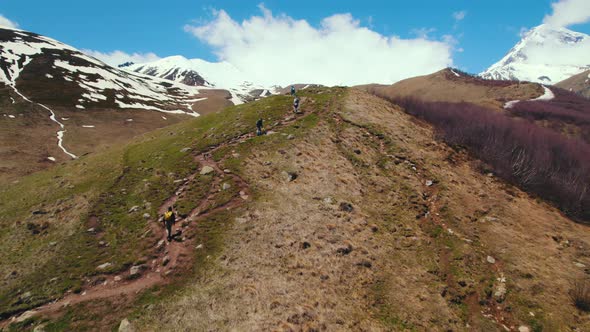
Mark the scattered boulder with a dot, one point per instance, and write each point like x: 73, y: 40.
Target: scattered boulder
x: 429, y: 183
x: 347, y: 207
x: 104, y: 266
x: 39, y: 328
x: 207, y: 170
x: 328, y: 200
x: 491, y: 260
x: 227, y: 171
x: 290, y: 136
x: 146, y: 216
x: 500, y: 291
x: 357, y: 151
x: 134, y: 209
x: 26, y: 315
x: 166, y: 260
x: 289, y: 176
x: 117, y: 278
x: 225, y: 186
x: 185, y: 150
x: 37, y: 227
x: 365, y: 263
x: 26, y: 296
x: 135, y: 271
x: 90, y: 230
x: 344, y: 250
x: 126, y: 326
x: 305, y: 245
x: 523, y: 328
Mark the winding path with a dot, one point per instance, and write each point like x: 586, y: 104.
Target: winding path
x: 169, y: 257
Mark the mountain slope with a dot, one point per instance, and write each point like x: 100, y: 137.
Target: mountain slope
x: 546, y: 54
x: 351, y: 216
x: 579, y: 84
x: 58, y: 103
x: 451, y: 85
x: 221, y: 75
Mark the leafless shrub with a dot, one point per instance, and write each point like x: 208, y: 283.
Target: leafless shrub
x: 537, y: 159
x: 580, y: 294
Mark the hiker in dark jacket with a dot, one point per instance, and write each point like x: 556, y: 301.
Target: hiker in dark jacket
x: 296, y: 105
x: 169, y: 220
x: 292, y: 90
x: 259, y: 127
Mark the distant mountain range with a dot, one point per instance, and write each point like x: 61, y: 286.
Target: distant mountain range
x: 546, y: 54
x: 197, y: 72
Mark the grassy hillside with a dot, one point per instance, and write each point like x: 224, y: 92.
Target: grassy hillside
x: 579, y: 84
x: 454, y: 86
x: 47, y: 214
x: 351, y: 216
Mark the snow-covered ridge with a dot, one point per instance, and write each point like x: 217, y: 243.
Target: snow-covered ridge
x: 19, y: 48
x: 220, y: 75
x: 101, y: 85
x: 546, y: 54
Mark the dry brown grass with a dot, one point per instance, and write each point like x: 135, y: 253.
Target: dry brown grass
x: 444, y: 86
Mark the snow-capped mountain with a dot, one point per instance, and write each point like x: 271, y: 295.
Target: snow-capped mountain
x: 221, y: 75
x: 45, y: 65
x: 546, y: 54
x: 57, y: 103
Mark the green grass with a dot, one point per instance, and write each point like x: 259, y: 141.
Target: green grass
x: 107, y: 184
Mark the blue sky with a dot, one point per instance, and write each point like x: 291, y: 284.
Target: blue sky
x: 487, y: 31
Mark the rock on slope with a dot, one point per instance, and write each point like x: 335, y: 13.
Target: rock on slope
x: 546, y: 54
x: 579, y: 84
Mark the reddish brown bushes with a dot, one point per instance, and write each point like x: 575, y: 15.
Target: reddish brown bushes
x: 565, y: 108
x: 537, y: 159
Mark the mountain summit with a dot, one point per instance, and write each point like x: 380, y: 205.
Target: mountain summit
x: 546, y: 54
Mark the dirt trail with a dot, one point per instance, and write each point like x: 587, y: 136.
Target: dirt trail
x: 176, y: 253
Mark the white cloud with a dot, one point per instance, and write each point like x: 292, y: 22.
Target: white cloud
x: 568, y: 12
x: 423, y: 32
x: 116, y: 58
x: 4, y: 22
x: 281, y: 50
x: 460, y: 15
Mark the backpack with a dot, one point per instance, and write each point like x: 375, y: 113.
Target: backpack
x: 169, y: 216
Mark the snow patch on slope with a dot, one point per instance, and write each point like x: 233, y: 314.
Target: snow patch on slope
x: 547, y: 95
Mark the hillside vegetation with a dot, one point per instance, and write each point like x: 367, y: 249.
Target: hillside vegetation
x: 351, y: 216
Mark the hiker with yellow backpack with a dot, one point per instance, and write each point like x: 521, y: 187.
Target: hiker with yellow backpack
x: 169, y: 220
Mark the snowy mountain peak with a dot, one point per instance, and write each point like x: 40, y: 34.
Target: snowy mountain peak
x: 221, y: 75
x: 546, y: 54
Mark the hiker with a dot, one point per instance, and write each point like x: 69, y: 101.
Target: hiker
x: 292, y: 90
x: 169, y: 220
x: 296, y: 105
x: 259, y: 127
